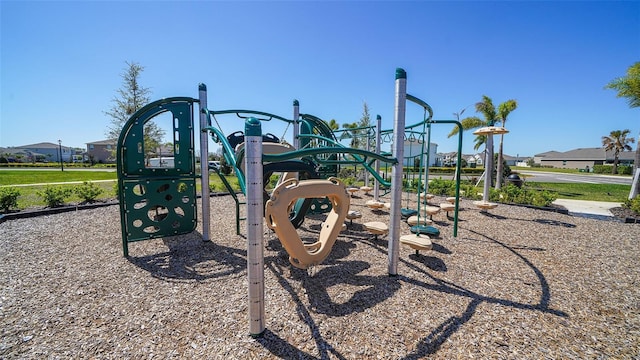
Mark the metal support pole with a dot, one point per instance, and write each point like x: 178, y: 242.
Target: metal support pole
x: 255, y: 233
x: 366, y: 173
x: 396, y: 170
x: 488, y: 168
x: 296, y: 128
x: 376, y: 185
x: 204, y: 161
x: 60, y: 149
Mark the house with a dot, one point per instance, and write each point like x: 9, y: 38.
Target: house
x: 103, y: 151
x: 582, y: 158
x: 413, y: 149
x: 40, y: 152
x: 474, y: 160
x: 515, y: 160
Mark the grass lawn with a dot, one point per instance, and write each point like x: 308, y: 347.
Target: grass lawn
x: 30, y: 198
x: 584, y: 191
x: 19, y: 177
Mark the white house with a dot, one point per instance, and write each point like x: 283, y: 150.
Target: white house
x: 414, y: 148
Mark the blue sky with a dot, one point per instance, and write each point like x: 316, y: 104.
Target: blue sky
x: 61, y: 63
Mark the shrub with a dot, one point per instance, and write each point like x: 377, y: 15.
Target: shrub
x: 345, y: 173
x: 8, y: 198
x: 350, y: 181
x: 442, y: 187
x: 55, y: 196
x: 516, y: 195
x: 633, y: 204
x: 88, y: 191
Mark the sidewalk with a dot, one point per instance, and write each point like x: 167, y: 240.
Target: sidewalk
x: 588, y: 207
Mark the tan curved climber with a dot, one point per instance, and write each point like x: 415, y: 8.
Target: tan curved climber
x: 277, y: 218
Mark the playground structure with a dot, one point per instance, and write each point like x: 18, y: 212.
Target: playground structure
x: 157, y: 202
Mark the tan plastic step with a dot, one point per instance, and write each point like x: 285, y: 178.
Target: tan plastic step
x: 417, y: 242
x: 447, y: 207
x: 375, y: 204
x: 485, y: 205
x: 376, y: 228
x: 413, y: 220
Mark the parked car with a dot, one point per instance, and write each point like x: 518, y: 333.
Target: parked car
x: 214, y: 165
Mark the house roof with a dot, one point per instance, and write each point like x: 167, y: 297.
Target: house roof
x: 548, y: 153
x: 42, y: 145
x: 588, y: 154
x: 103, y: 142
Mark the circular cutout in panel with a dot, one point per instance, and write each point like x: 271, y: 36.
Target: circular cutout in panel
x: 140, y: 204
x: 139, y: 189
x: 169, y: 197
x: 163, y: 188
x: 185, y: 199
x: 137, y: 223
x: 182, y: 187
x: 157, y: 213
x: 151, y: 229
x: 178, y: 211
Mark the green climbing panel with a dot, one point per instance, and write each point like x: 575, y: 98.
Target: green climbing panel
x: 157, y: 183
x: 159, y: 207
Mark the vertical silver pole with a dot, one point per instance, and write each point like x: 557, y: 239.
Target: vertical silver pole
x: 376, y: 186
x: 204, y: 161
x: 488, y: 168
x: 255, y: 209
x: 396, y: 171
x: 366, y: 173
x: 635, y: 183
x: 296, y: 129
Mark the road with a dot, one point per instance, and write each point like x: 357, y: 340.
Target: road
x: 554, y: 177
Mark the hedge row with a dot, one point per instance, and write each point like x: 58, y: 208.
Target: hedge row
x: 608, y: 169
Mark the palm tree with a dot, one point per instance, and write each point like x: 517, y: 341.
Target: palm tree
x: 333, y: 124
x: 491, y: 116
x: 618, y: 142
x: 359, y: 131
x: 487, y: 109
x: 629, y: 87
x: 504, y: 110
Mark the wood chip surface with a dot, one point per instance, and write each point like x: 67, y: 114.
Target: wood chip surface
x: 516, y: 283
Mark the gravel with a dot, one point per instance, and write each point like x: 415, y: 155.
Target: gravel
x: 515, y: 283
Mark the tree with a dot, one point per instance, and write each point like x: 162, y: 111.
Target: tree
x: 504, y: 110
x: 629, y: 87
x: 131, y: 98
x: 491, y: 116
x: 618, y: 142
x: 360, y: 130
x: 333, y: 124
